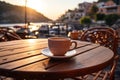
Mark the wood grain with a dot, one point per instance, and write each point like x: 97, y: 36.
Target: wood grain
x: 23, y: 59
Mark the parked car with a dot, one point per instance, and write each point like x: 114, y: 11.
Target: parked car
x: 54, y: 30
x: 44, y: 29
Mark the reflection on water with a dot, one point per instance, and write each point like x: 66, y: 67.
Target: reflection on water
x: 33, y: 26
x: 22, y: 24
x: 35, y: 29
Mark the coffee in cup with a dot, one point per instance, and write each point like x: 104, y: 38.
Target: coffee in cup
x: 60, y: 45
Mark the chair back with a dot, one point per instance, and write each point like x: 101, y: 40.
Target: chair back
x: 8, y: 34
x: 104, y: 36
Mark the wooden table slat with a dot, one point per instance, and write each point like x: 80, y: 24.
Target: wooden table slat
x: 23, y: 59
x: 12, y: 47
x: 81, y: 50
x: 23, y: 62
x: 15, y: 57
x: 24, y: 41
x: 21, y: 50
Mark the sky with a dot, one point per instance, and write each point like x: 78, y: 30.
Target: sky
x: 50, y: 8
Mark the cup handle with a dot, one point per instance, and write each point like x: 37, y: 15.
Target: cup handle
x: 73, y: 42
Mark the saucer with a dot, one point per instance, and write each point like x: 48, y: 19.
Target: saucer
x: 48, y: 53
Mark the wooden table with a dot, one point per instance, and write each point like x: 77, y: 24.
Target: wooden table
x: 23, y: 59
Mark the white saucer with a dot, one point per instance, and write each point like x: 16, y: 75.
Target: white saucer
x: 47, y: 52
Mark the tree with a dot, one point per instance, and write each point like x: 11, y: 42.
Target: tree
x: 103, y: 0
x: 111, y: 19
x: 100, y: 16
x: 117, y: 2
x: 93, y: 10
x: 85, y: 21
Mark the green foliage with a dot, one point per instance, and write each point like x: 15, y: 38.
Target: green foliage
x: 103, y: 0
x: 100, y: 16
x: 111, y: 19
x: 85, y: 20
x: 117, y: 2
x: 93, y: 10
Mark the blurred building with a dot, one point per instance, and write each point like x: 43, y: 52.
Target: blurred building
x: 109, y: 7
x: 77, y: 13
x: 117, y: 2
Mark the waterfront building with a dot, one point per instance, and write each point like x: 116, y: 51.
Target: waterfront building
x: 109, y: 8
x: 77, y: 13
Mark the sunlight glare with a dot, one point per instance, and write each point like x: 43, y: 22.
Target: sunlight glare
x: 36, y: 4
x: 31, y: 41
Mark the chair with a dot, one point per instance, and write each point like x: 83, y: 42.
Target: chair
x: 107, y: 37
x: 104, y: 36
x: 8, y: 34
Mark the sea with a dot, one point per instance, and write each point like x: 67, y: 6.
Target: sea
x: 32, y: 25
x: 22, y: 24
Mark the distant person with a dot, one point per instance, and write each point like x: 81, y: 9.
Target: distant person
x: 28, y: 23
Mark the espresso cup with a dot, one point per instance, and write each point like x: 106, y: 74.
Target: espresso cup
x: 60, y: 45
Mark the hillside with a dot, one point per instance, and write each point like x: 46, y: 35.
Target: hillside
x: 16, y: 14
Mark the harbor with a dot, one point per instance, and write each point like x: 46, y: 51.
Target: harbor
x: 39, y: 30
